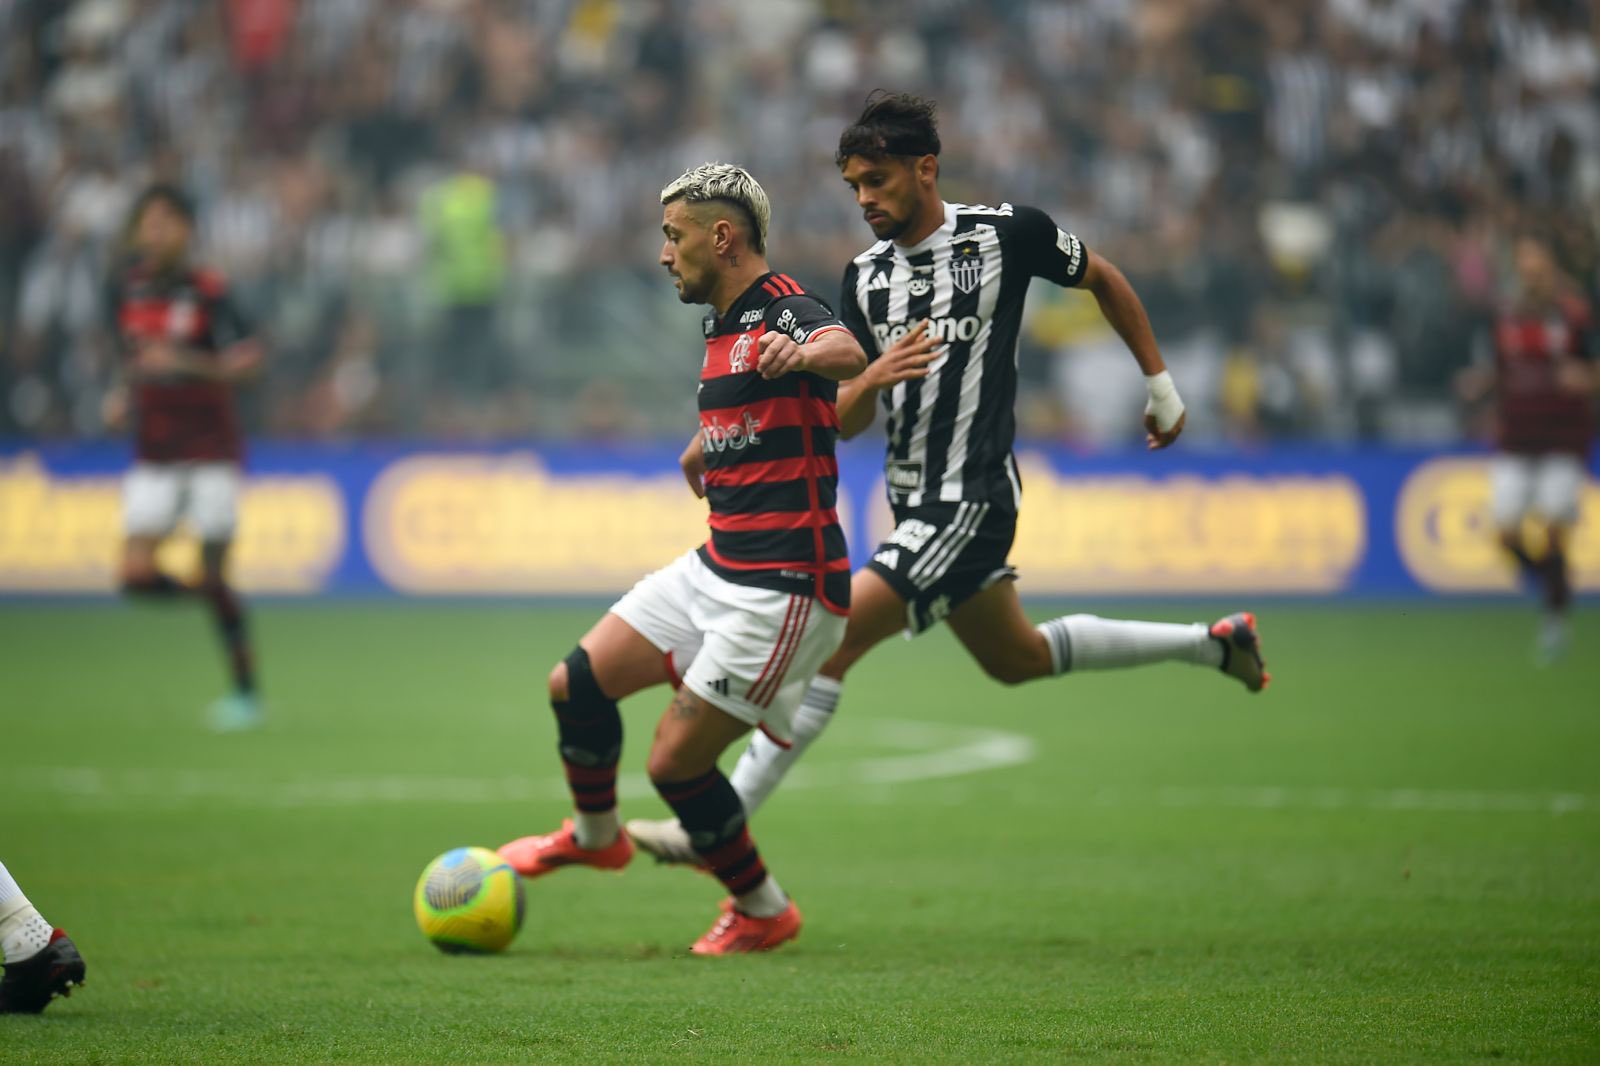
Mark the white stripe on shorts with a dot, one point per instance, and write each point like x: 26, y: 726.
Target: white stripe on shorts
x: 949, y: 545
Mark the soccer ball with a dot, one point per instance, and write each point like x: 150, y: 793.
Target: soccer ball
x: 468, y: 900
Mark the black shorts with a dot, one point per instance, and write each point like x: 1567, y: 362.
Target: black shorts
x: 941, y: 555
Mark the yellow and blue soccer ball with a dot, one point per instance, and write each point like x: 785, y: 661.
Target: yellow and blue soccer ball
x: 469, y: 901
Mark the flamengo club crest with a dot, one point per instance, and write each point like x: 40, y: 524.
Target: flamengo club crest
x: 966, y: 266
x: 739, y: 358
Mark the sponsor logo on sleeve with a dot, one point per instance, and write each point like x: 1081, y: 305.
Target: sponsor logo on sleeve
x: 1072, y: 248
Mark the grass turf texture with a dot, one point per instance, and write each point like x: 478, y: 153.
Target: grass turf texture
x: 1131, y: 894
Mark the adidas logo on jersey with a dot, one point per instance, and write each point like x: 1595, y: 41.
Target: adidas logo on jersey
x: 720, y: 686
x: 889, y: 558
x: 879, y: 281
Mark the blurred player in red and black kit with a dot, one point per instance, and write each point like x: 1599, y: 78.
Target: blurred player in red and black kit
x: 184, y: 347
x: 1544, y: 378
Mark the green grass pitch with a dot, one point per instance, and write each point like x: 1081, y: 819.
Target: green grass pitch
x: 1392, y: 856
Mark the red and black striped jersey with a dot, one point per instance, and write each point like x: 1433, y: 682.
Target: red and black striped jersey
x: 179, y: 417
x: 1536, y: 412
x: 771, y: 475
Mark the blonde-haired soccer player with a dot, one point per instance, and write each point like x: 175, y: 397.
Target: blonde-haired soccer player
x: 738, y: 626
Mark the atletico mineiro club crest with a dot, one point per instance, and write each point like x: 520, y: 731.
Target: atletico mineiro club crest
x: 966, y: 266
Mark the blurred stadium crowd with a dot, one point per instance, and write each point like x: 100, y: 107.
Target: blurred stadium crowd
x: 442, y: 214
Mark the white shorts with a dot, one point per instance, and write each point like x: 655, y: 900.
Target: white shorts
x: 750, y: 652
x: 1548, y: 486
x: 157, y: 496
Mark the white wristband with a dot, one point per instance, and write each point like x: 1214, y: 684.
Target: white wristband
x: 1164, y: 402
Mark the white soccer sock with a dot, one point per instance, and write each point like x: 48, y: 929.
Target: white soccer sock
x: 764, y: 763
x: 594, y: 830
x: 1085, y: 642
x: 9, y: 888
x: 23, y: 932
x: 766, y: 900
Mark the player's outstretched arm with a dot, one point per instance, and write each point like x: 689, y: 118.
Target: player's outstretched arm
x: 1121, y: 306
x: 242, y: 361
x: 829, y: 353
x: 905, y: 359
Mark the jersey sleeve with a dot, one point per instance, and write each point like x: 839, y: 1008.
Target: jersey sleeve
x: 230, y: 324
x: 1047, y: 250
x: 851, y: 314
x: 1586, y: 339
x: 801, y: 317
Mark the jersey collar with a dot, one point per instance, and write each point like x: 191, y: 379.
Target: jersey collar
x: 752, y: 297
x: 937, y: 236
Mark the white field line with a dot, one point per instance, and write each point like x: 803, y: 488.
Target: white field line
x: 1272, y: 798
x: 932, y: 751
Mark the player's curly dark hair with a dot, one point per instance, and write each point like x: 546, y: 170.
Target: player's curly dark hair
x: 158, y: 193
x: 893, y: 124
x: 163, y: 193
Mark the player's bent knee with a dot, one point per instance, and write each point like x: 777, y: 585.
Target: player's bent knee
x: 1017, y: 668
x: 573, y: 682
x: 1009, y: 672
x: 558, y: 683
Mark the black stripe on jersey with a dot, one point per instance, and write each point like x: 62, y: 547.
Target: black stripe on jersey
x: 785, y: 442
x: 878, y: 298
x: 731, y: 390
x: 995, y: 421
x: 835, y: 584
x: 771, y: 496
x: 877, y: 311
x: 850, y: 312
x: 942, y: 429
x: 918, y: 307
x: 786, y: 545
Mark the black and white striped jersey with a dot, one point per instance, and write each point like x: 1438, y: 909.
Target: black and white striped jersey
x: 950, y: 433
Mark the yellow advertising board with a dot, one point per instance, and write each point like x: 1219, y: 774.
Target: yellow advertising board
x: 1088, y: 533
x: 61, y: 534
x: 504, y: 525
x: 1447, y: 539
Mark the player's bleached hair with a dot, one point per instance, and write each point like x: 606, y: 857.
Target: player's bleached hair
x: 712, y: 182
